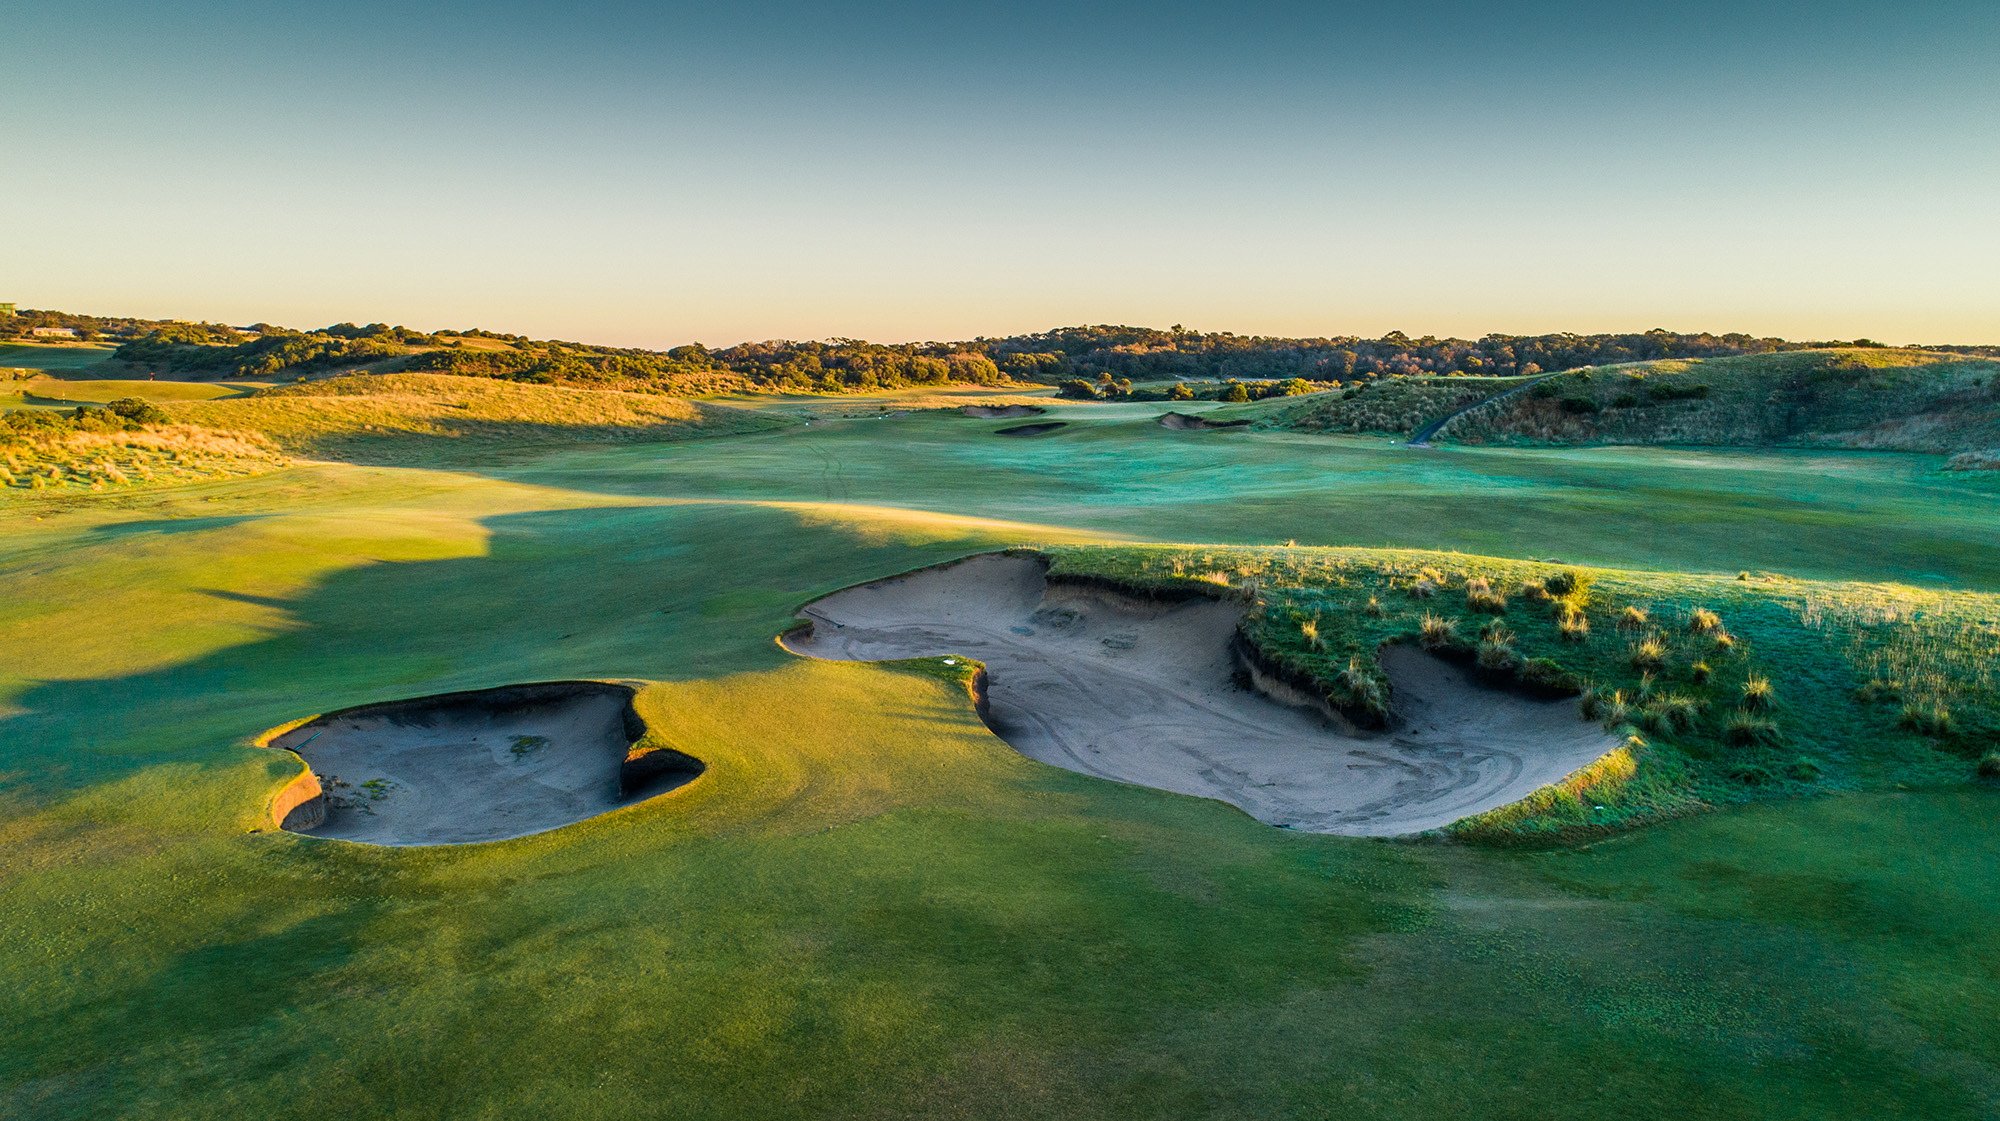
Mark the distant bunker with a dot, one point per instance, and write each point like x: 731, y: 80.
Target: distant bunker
x: 1040, y: 429
x: 1181, y: 422
x: 1002, y: 412
x: 1154, y: 693
x: 477, y: 766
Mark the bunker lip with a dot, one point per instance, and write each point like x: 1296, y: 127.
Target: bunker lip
x: 478, y: 765
x: 1032, y: 429
x: 1151, y: 691
x: 1182, y: 422
x: 1001, y: 412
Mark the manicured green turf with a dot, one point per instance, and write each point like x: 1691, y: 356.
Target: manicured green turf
x: 1825, y: 515
x: 57, y: 359
x: 870, y: 906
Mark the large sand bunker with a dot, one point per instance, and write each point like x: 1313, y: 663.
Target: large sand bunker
x: 1144, y: 692
x: 1002, y: 412
x: 480, y: 766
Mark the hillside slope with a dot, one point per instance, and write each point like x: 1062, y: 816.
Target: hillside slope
x: 403, y: 417
x: 1898, y: 400
x: 1399, y: 406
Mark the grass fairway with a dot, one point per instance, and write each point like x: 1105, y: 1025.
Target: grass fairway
x: 869, y: 906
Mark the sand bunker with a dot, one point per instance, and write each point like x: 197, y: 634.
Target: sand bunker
x: 480, y: 766
x: 1184, y: 423
x: 1032, y: 429
x: 1002, y: 412
x: 1146, y: 693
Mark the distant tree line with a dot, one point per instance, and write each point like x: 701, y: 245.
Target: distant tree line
x: 1093, y: 355
x: 1148, y: 354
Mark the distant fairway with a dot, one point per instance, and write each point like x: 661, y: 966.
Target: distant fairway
x: 870, y: 906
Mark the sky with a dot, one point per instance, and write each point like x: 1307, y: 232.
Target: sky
x: 649, y: 174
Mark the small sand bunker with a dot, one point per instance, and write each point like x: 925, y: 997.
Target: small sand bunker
x: 1181, y: 422
x: 1144, y: 692
x: 480, y: 766
x: 1002, y: 412
x: 1032, y: 429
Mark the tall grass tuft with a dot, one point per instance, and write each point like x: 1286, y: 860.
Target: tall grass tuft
x: 1745, y: 729
x: 1574, y: 625
x: 1310, y: 630
x: 1930, y: 720
x: 1373, y: 608
x: 1989, y: 766
x: 1634, y: 619
x: 1437, y: 633
x: 1757, y: 693
x: 1649, y: 655
x: 1704, y: 621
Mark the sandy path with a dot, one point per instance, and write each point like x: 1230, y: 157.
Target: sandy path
x: 1144, y: 694
x: 459, y: 769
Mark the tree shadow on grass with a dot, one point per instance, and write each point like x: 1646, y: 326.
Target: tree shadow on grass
x: 653, y: 592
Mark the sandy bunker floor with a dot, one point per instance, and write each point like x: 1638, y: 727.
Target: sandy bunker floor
x: 471, y: 766
x: 1145, y: 694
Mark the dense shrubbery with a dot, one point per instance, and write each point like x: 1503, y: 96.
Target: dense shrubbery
x: 221, y: 351
x: 127, y: 415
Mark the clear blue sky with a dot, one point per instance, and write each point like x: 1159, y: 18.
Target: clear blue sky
x: 651, y: 174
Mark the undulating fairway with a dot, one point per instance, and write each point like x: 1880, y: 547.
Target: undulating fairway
x: 870, y: 906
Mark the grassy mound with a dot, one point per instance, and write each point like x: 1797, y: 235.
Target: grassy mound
x: 97, y: 461
x: 1398, y: 406
x: 1901, y: 400
x: 425, y: 417
x: 1874, y: 683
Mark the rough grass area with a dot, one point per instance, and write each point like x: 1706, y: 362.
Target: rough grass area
x: 1900, y: 400
x: 426, y: 417
x: 77, y: 462
x: 1731, y: 689
x: 1396, y: 405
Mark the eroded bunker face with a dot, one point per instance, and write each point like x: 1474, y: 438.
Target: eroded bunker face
x: 1148, y: 693
x: 478, y: 766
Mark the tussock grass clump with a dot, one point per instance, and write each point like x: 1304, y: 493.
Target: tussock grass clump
x: 1747, y: 729
x: 1700, y: 673
x: 1373, y: 608
x: 1436, y: 633
x: 1704, y: 621
x: 1877, y: 691
x: 1758, y: 695
x: 1480, y: 597
x: 1634, y: 619
x: 1497, y: 656
x: 1535, y: 591
x: 1989, y: 765
x: 1677, y: 710
x: 1364, y: 689
x: 1424, y: 588
x: 1931, y: 720
x: 1607, y: 706
x: 1649, y: 655
x: 1309, y: 630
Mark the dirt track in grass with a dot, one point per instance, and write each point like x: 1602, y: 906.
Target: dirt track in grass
x: 1147, y: 693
